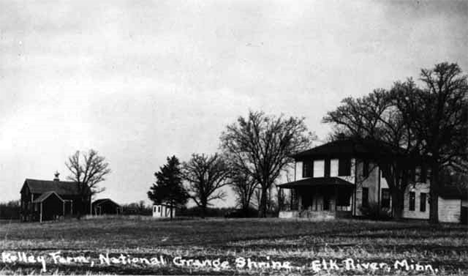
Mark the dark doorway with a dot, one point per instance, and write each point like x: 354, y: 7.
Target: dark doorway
x: 326, y: 202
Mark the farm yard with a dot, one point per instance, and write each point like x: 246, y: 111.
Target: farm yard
x: 233, y: 246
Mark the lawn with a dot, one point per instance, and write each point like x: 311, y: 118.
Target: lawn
x: 233, y: 246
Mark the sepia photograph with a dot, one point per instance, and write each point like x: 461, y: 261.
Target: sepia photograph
x: 208, y: 137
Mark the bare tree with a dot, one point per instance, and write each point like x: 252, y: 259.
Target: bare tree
x: 205, y: 176
x: 88, y: 170
x: 244, y: 187
x: 438, y: 116
x: 261, y: 145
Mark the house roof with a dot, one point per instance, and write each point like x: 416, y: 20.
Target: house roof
x: 347, y: 147
x: 321, y: 181
x: 453, y: 192
x: 45, y: 195
x: 164, y: 204
x: 104, y: 200
x: 60, y: 187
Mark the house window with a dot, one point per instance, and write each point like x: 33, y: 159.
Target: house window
x: 334, y: 167
x: 365, y: 197
x: 422, y: 202
x: 412, y: 199
x: 344, y: 167
x: 319, y: 168
x: 365, y: 168
x: 159, y: 209
x: 307, y: 169
x: 385, y: 198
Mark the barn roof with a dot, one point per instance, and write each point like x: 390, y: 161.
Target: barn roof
x: 104, y: 200
x: 60, y: 187
x: 325, y: 181
x: 45, y: 195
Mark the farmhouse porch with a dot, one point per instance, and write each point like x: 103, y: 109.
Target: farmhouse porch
x: 318, y: 198
x: 50, y: 206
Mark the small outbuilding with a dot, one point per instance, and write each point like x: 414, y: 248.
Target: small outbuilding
x: 163, y: 211
x: 453, y: 205
x: 106, y: 206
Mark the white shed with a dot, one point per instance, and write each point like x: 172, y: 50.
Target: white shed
x: 163, y: 211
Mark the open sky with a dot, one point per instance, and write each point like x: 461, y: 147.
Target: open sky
x: 141, y: 80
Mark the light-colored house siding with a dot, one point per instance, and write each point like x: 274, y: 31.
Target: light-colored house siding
x: 299, y: 166
x: 417, y: 189
x: 449, y: 210
x: 298, y: 175
x: 163, y: 211
x: 371, y: 182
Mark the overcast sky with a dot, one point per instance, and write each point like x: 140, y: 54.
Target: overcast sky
x: 141, y: 80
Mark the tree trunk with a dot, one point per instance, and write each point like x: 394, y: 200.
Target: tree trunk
x: 202, y: 211
x: 172, y: 206
x: 263, y: 202
x: 397, y: 204
x: 434, y: 196
x: 246, y: 210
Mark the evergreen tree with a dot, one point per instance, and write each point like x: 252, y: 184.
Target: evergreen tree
x: 168, y: 188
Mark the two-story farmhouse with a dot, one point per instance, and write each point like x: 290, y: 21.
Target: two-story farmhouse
x: 48, y: 200
x: 338, y: 179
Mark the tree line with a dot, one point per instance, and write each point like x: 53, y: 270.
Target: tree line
x: 254, y: 152
x: 408, y: 124
x: 403, y: 126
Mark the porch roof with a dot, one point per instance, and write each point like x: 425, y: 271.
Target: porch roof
x: 46, y: 195
x: 320, y: 181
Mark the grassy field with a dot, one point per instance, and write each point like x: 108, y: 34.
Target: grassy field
x: 233, y: 246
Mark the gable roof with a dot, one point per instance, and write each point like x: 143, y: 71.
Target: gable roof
x: 104, y: 200
x: 60, y: 187
x: 348, y: 147
x: 45, y: 195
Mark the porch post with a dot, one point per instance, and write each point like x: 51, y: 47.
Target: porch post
x: 299, y: 201
x: 293, y: 199
x: 315, y: 199
x: 336, y: 198
x: 40, y: 217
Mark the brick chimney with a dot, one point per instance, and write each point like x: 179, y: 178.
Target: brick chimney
x: 56, y: 178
